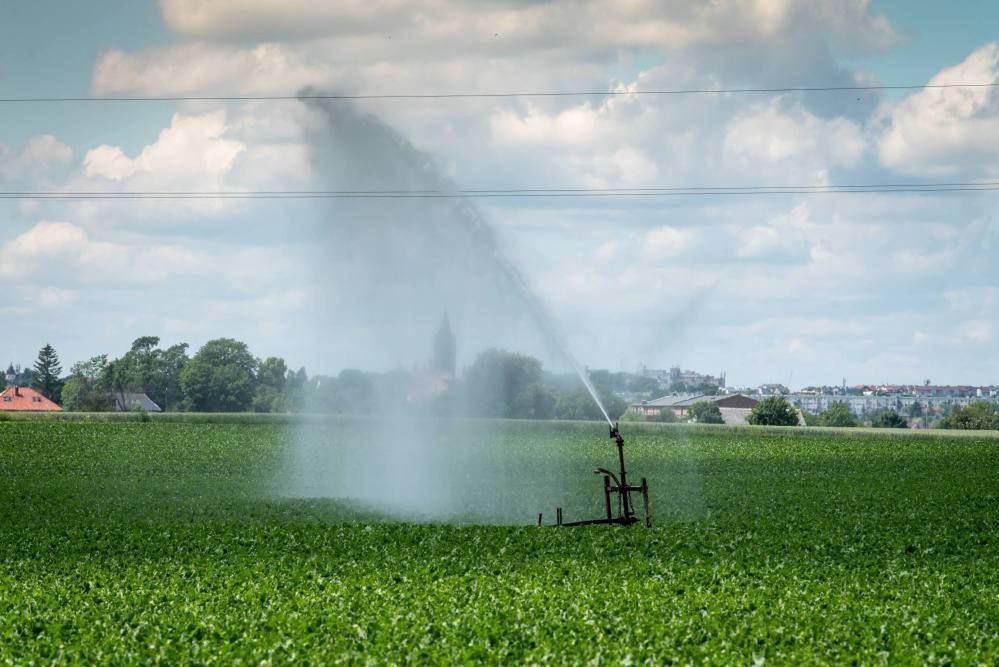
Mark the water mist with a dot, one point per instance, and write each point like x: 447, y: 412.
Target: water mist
x: 385, y: 270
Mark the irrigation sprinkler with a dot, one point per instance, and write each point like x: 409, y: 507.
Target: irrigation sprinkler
x: 614, y: 484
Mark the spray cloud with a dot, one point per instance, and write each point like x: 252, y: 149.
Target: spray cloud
x: 386, y: 268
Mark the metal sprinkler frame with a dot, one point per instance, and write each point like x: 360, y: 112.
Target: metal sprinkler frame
x: 625, y: 509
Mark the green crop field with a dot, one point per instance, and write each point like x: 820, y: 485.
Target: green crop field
x: 173, y: 542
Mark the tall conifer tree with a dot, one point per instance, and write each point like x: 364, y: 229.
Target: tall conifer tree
x: 46, y: 376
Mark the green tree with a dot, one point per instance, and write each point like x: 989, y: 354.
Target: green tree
x: 838, y: 414
x: 666, y: 416
x: 536, y: 401
x: 352, y: 392
x: 773, y: 411
x: 73, y: 390
x: 146, y: 368
x: 273, y: 373
x: 267, y: 399
x: 172, y: 363
x: 706, y: 412
x: 46, y: 377
x: 297, y: 379
x: 889, y: 419
x: 977, y: 416
x: 138, y: 368
x: 500, y: 384
x: 272, y: 381
x: 296, y: 390
x: 355, y: 394
x: 578, y: 404
x: 220, y: 377
x: 87, y: 389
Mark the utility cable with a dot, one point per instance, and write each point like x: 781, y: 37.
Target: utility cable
x: 496, y: 95
x: 749, y: 190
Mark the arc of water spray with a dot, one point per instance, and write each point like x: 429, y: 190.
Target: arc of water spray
x: 551, y: 330
x: 475, y: 224
x: 543, y: 319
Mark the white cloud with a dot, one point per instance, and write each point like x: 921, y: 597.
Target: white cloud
x: 45, y: 150
x: 790, y: 143
x: 108, y: 162
x: 198, y: 152
x: 51, y: 297
x: 34, y: 160
x: 220, y: 70
x: 665, y: 242
x: 61, y: 252
x: 46, y: 242
x: 921, y: 261
x: 786, y: 237
x: 977, y: 331
x: 267, y: 46
x: 608, y: 251
x: 550, y: 25
x: 974, y: 299
x: 192, y: 150
x: 574, y: 126
x: 948, y: 131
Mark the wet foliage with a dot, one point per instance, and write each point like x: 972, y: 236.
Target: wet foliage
x: 160, y: 542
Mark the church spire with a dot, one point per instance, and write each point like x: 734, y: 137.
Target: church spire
x: 444, y: 359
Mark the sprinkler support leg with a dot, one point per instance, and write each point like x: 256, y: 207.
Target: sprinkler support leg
x: 607, y: 502
x: 645, y: 501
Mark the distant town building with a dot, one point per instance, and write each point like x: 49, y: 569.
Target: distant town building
x: 772, y: 390
x: 927, y: 389
x: 868, y: 403
x: 734, y: 407
x: 675, y: 377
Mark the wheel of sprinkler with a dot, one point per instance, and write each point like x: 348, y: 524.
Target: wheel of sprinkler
x: 614, y: 484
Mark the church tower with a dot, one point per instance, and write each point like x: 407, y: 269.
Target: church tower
x: 444, y: 359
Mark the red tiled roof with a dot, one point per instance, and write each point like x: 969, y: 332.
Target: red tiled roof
x: 26, y: 399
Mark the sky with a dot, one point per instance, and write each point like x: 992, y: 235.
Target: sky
x: 797, y: 289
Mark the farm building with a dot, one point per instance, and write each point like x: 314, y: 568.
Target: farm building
x: 25, y: 399
x: 734, y: 407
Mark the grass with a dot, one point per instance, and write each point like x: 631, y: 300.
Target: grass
x: 174, y: 542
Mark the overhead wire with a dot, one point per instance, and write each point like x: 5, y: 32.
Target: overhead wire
x: 676, y: 191
x: 680, y: 191
x: 493, y: 95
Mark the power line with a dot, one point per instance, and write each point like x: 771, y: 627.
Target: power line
x: 435, y: 96
x: 980, y: 186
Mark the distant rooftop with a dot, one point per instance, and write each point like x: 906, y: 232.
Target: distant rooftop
x: 130, y: 400
x: 25, y: 399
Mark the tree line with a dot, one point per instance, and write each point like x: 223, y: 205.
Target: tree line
x: 224, y: 376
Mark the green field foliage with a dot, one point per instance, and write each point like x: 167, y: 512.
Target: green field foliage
x: 175, y: 541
